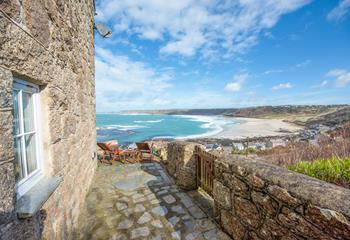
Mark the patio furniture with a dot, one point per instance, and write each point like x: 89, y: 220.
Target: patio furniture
x: 112, y: 151
x: 130, y: 155
x: 145, y: 151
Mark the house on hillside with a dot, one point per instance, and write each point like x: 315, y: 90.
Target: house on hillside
x: 47, y: 116
x: 238, y: 146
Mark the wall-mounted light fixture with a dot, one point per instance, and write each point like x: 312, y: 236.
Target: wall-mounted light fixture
x: 103, y: 30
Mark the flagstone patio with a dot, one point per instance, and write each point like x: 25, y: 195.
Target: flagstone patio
x: 140, y: 201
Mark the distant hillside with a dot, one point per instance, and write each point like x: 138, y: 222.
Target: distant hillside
x: 206, y: 112
x: 336, y: 117
x: 301, y: 113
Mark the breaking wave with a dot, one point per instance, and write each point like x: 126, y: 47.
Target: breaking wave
x: 121, y: 127
x: 149, y: 121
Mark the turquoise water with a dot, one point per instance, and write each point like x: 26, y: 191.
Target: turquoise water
x: 134, y: 128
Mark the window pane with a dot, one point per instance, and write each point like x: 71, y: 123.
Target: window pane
x: 18, y: 157
x: 16, y: 129
x: 30, y: 152
x: 28, y: 112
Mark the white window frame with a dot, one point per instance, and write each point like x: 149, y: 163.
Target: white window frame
x: 27, y: 182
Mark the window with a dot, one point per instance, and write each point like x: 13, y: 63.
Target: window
x: 26, y: 135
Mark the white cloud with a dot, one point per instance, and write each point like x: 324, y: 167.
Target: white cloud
x: 237, y: 82
x: 282, y: 86
x: 339, y: 12
x: 342, y: 77
x: 189, y: 27
x: 273, y: 71
x: 125, y: 84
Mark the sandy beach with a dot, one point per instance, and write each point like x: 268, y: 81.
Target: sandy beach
x: 253, y: 127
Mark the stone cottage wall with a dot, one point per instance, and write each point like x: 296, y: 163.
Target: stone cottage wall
x: 49, y: 43
x: 255, y: 200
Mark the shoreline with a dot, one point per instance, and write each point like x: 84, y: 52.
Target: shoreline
x: 254, y: 127
x: 216, y: 127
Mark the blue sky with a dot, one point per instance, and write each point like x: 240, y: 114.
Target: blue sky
x: 219, y: 54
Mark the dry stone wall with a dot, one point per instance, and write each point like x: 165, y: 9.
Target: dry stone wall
x: 161, y: 148
x: 49, y: 43
x: 181, y: 164
x: 255, y: 200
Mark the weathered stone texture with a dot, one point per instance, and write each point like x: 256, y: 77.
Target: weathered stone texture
x: 232, y: 225
x: 246, y: 211
x: 329, y: 221
x: 255, y: 181
x: 6, y: 151
x: 222, y: 195
x: 239, y: 187
x: 273, y: 230
x: 5, y: 88
x: 265, y: 206
x: 7, y: 189
x: 265, y: 203
x: 53, y: 47
x: 282, y: 195
x: 181, y: 164
x: 162, y: 148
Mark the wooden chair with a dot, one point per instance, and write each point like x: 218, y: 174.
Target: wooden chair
x: 111, y: 153
x: 132, y: 156
x: 145, y: 151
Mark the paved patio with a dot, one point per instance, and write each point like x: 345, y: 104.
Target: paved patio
x: 140, y: 201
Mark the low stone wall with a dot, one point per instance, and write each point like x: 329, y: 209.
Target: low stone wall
x: 181, y: 164
x: 256, y: 200
x: 161, y: 147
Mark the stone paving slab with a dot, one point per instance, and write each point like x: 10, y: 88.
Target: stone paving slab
x: 140, y: 201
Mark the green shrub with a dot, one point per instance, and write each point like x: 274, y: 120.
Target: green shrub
x: 334, y: 170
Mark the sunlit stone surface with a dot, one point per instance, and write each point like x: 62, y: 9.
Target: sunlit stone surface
x: 140, y: 202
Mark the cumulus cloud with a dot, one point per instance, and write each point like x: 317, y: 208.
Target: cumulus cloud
x: 339, y: 12
x: 342, y: 77
x: 236, y: 83
x: 122, y: 83
x: 282, y: 86
x: 188, y: 27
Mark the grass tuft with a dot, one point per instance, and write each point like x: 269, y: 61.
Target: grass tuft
x: 333, y: 170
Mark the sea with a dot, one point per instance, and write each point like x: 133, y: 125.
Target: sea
x: 126, y: 128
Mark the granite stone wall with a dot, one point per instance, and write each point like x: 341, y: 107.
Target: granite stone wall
x: 255, y: 200
x: 181, y: 164
x: 49, y: 43
x: 162, y: 149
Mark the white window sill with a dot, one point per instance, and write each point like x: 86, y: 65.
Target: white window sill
x: 32, y: 201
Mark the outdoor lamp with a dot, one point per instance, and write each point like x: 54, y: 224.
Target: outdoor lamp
x: 103, y: 30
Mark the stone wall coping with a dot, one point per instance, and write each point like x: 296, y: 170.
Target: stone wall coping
x: 312, y: 190
x: 183, y: 143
